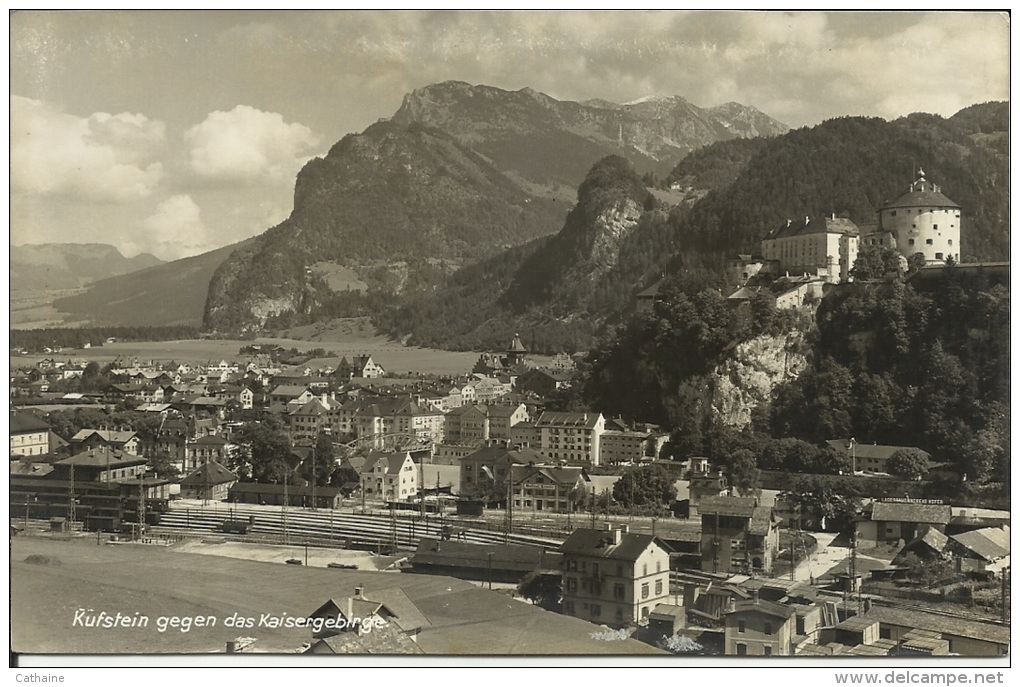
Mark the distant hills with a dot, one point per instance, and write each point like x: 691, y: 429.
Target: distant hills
x: 60, y: 266
x: 167, y: 293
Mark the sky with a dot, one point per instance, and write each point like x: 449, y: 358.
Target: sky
x: 176, y: 132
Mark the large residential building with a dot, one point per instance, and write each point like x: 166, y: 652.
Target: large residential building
x: 389, y: 476
x: 484, y: 471
x: 737, y: 535
x: 30, y: 436
x: 480, y: 423
x: 570, y: 436
x: 548, y: 488
x: 308, y: 421
x: 614, y: 577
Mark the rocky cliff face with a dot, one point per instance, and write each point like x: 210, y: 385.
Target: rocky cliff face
x: 746, y: 381
x: 654, y: 133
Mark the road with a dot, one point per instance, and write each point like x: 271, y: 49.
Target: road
x: 825, y: 557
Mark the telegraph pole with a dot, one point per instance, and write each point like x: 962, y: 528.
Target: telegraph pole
x: 286, y: 537
x: 141, y: 505
x: 314, y: 477
x: 71, y: 505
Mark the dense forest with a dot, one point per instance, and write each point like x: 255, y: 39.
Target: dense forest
x: 37, y: 340
x: 916, y: 360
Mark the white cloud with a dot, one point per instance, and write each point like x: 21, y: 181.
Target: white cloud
x: 247, y: 144
x: 100, y: 158
x: 174, y: 230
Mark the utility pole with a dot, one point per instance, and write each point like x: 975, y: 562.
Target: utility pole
x: 286, y: 537
x: 141, y: 505
x: 315, y: 477
x: 593, y: 507
x: 71, y: 505
x: 1002, y: 601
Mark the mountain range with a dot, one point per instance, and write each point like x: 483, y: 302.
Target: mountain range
x: 59, y: 266
x: 474, y: 212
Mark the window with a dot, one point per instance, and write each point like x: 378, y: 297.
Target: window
x: 619, y: 591
x: 768, y: 628
x: 910, y: 242
x: 596, y: 610
x: 892, y: 214
x: 938, y: 256
x: 571, y: 584
x: 950, y: 242
x: 619, y: 570
x: 619, y: 612
x: 768, y: 651
x: 741, y: 650
x: 644, y: 591
x: 658, y: 587
x: 658, y: 566
x: 928, y: 241
x: 645, y: 570
x: 741, y: 626
x: 935, y: 227
x: 594, y: 568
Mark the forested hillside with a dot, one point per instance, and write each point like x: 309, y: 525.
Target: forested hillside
x: 851, y: 166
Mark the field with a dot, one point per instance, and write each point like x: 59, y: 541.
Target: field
x: 343, y: 337
x: 157, y: 582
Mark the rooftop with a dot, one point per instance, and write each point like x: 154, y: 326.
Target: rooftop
x: 591, y: 542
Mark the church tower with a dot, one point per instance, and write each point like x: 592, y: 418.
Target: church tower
x: 922, y: 220
x: 516, y: 353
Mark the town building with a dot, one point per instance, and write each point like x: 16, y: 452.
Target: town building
x: 30, y: 435
x: 756, y: 627
x: 126, y: 441
x: 361, y: 366
x: 870, y: 457
x: 737, y: 535
x: 479, y: 423
x: 389, y: 476
x: 893, y: 520
x: 209, y: 482
x: 613, y: 576
x: 202, y: 450
x: 547, y: 488
x: 570, y: 436
x: 484, y: 471
x: 482, y: 562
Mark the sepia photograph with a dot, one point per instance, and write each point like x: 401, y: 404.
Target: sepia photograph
x: 498, y: 338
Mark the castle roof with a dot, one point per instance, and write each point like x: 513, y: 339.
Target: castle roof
x: 816, y: 225
x: 516, y: 346
x: 922, y: 193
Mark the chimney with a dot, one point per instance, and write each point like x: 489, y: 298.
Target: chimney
x: 617, y: 536
x: 625, y: 529
x: 754, y: 596
x: 359, y: 592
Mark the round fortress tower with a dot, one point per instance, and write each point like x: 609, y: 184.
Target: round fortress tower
x: 922, y: 220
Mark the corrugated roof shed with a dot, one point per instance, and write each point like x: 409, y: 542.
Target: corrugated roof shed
x: 884, y: 511
x: 989, y: 543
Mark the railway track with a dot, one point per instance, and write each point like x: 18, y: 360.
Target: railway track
x: 325, y: 528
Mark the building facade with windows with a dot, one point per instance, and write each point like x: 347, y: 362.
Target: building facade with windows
x: 614, y: 577
x: 760, y: 628
x: 922, y: 220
